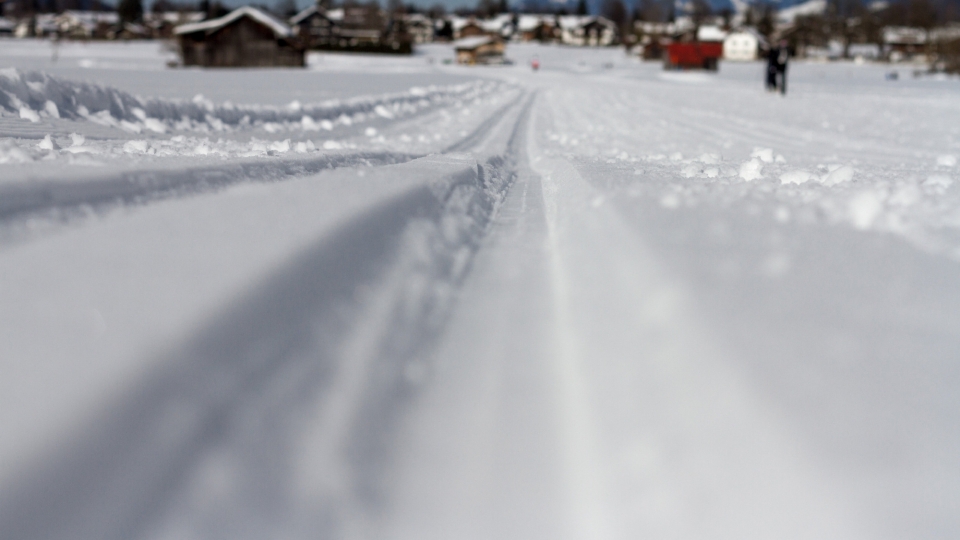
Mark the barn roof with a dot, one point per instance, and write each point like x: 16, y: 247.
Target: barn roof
x: 470, y: 43
x: 296, y: 19
x: 279, y: 29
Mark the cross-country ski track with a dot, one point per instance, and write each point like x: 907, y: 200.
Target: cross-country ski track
x: 592, y: 309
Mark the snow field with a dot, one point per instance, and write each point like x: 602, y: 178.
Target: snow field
x: 35, y: 97
x: 428, y: 222
x: 611, y: 303
x: 888, y: 176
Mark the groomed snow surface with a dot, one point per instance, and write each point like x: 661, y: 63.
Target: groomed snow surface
x: 393, y: 298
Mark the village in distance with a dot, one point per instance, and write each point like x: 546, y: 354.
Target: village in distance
x: 923, y: 33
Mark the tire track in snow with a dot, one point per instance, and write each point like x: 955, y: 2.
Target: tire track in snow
x: 353, y: 313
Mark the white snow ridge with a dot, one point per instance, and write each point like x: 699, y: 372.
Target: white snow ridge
x: 390, y: 297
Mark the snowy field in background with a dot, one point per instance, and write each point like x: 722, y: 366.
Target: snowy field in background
x: 391, y: 297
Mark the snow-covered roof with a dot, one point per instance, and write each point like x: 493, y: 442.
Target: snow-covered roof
x: 649, y: 27
x: 496, y: 24
x: 415, y: 18
x: 945, y: 33
x: 303, y: 15
x: 904, y: 34
x: 810, y: 7
x: 88, y: 18
x: 710, y: 33
x: 747, y: 31
x: 332, y: 14
x: 569, y: 22
x: 459, y: 22
x: 472, y: 42
x: 279, y: 29
x: 526, y: 23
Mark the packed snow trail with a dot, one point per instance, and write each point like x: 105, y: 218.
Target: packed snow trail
x: 547, y: 421
x: 604, y: 308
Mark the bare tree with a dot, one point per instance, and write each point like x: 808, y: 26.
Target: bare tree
x: 649, y: 10
x: 700, y: 11
x: 616, y: 12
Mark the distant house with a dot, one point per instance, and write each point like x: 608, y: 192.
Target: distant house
x: 654, y: 38
x: 543, y: 28
x: 132, y: 31
x: 6, y: 26
x: 357, y: 28
x: 711, y: 33
x: 161, y: 24
x: 468, y: 28
x: 501, y: 25
x: 245, y: 37
x: 583, y: 30
x: 317, y: 27
x: 743, y: 45
x: 479, y: 50
x: 73, y: 24
x: 419, y: 27
x: 904, y: 42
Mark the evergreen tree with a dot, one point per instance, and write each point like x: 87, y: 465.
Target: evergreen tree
x: 582, y: 7
x: 130, y: 11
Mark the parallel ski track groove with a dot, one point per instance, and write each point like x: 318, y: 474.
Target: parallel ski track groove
x: 127, y: 467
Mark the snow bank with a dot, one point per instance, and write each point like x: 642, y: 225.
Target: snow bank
x: 33, y: 96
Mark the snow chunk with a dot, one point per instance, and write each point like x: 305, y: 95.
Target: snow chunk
x: 309, y: 124
x: 947, y: 161
x: 709, y: 159
x: 689, y: 171
x: 795, y: 177
x: 29, y: 114
x: 48, y: 144
x: 838, y: 176
x: 281, y: 146
x: 77, y: 139
x: 304, y: 147
x: 763, y: 154
x: 11, y: 154
x: 130, y: 127
x: 154, y: 125
x: 135, y: 147
x: 370, y: 132
x: 51, y: 109
x: 751, y: 170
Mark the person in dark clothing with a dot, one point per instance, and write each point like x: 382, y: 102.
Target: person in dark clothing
x: 773, y: 56
x: 777, y: 58
x: 783, y: 55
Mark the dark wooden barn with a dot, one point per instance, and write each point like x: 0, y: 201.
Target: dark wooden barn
x: 245, y: 37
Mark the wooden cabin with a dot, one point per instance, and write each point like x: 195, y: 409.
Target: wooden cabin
x: 479, y: 50
x: 356, y: 28
x: 245, y: 37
